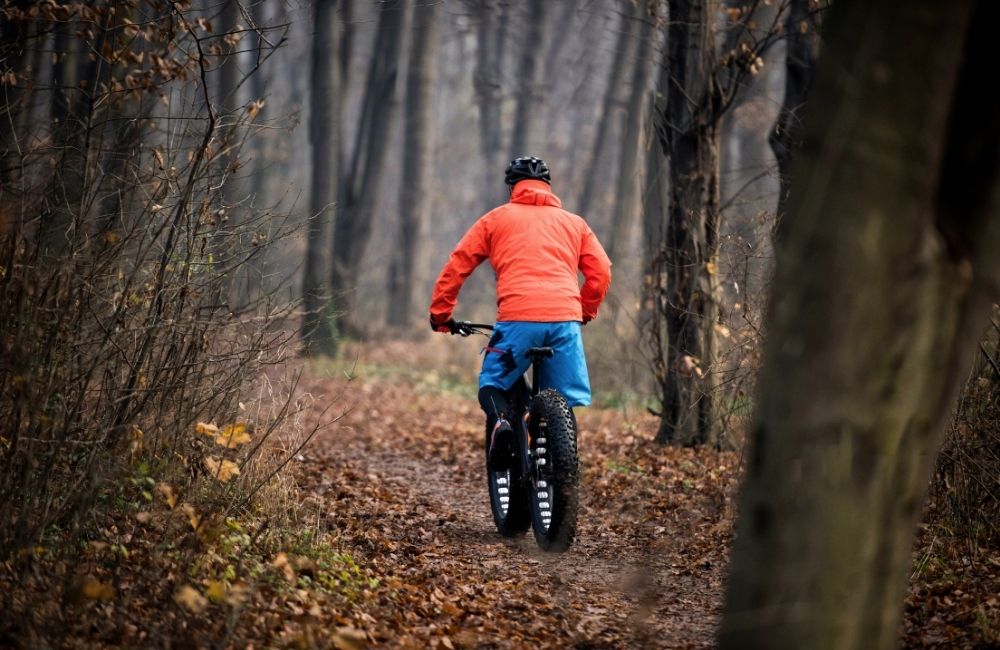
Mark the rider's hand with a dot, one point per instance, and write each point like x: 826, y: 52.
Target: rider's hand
x: 445, y: 327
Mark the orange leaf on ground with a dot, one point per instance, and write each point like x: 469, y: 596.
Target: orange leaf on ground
x: 168, y: 494
x: 190, y: 599
x: 97, y: 590
x: 233, y: 435
x: 222, y: 470
x: 193, y: 517
x: 206, y: 429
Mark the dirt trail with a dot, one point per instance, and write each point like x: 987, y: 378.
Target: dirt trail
x: 401, y: 479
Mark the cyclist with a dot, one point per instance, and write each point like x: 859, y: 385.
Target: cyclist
x: 535, y: 248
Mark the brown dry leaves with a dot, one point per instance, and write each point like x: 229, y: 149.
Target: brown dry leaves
x: 403, y: 485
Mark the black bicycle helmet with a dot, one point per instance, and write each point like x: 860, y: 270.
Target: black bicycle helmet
x: 527, y: 167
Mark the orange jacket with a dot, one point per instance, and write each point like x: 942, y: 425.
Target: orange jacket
x: 536, y: 248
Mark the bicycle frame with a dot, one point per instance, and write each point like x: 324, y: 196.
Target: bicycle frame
x: 539, y: 490
x: 527, y: 392
x: 520, y: 395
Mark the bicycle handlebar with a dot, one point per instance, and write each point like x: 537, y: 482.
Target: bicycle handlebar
x: 465, y: 328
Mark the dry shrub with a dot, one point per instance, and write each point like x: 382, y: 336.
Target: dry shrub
x: 967, y: 481
x: 132, y: 298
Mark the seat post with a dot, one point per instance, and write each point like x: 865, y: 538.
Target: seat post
x: 536, y: 355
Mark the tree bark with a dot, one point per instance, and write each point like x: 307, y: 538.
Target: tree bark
x: 530, y: 70
x: 655, y: 199
x: 626, y: 192
x: 324, y: 129
x: 886, y: 269
x: 690, y: 249
x: 353, y: 226
x: 413, y: 197
x: 801, y: 50
x: 487, y: 85
x: 15, y: 51
x: 598, y: 168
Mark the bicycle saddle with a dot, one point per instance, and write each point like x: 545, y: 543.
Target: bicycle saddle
x: 539, y: 353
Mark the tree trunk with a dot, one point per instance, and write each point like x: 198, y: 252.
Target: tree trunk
x: 886, y: 269
x: 15, y: 52
x: 74, y: 75
x: 801, y: 50
x: 655, y: 199
x: 690, y: 249
x: 356, y: 213
x: 413, y: 195
x: 530, y: 70
x: 626, y: 193
x: 486, y: 82
x: 324, y: 129
x: 258, y: 90
x: 598, y: 168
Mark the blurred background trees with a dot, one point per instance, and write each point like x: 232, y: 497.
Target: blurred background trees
x: 594, y: 89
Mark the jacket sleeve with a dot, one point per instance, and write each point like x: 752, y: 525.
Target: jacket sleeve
x: 468, y: 254
x: 596, y: 268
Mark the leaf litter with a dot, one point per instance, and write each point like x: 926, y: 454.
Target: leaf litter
x: 395, y: 546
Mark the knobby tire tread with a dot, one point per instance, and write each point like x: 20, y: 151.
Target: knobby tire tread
x: 562, y: 450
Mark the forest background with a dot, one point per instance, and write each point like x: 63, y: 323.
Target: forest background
x: 193, y: 194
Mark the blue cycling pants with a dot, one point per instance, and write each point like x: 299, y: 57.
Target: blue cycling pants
x: 505, y: 358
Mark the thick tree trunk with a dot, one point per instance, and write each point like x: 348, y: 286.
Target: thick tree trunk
x: 801, y: 50
x: 487, y: 84
x: 413, y: 197
x: 356, y: 212
x: 597, y: 171
x: 529, y: 113
x: 626, y: 192
x: 691, y: 134
x: 886, y: 269
x: 324, y: 130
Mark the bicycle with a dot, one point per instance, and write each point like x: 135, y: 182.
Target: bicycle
x: 540, y: 488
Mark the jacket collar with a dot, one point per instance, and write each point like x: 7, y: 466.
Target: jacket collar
x: 532, y: 192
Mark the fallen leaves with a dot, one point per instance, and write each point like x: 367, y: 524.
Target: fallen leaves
x: 399, y: 549
x: 94, y: 589
x: 349, y: 638
x: 206, y: 429
x: 190, y: 599
x: 229, y: 436
x: 193, y: 517
x: 216, y: 591
x: 168, y: 494
x: 223, y: 470
x: 282, y: 564
x: 233, y: 435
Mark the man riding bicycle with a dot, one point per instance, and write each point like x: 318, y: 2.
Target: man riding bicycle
x: 536, y: 248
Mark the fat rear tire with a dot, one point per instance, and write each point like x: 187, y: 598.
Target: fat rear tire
x: 513, y: 517
x: 554, y: 500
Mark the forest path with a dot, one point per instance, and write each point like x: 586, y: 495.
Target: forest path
x: 400, y: 479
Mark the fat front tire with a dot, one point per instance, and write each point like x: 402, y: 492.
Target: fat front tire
x: 554, y: 496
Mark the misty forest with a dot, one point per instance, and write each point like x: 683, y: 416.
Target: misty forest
x: 226, y: 422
